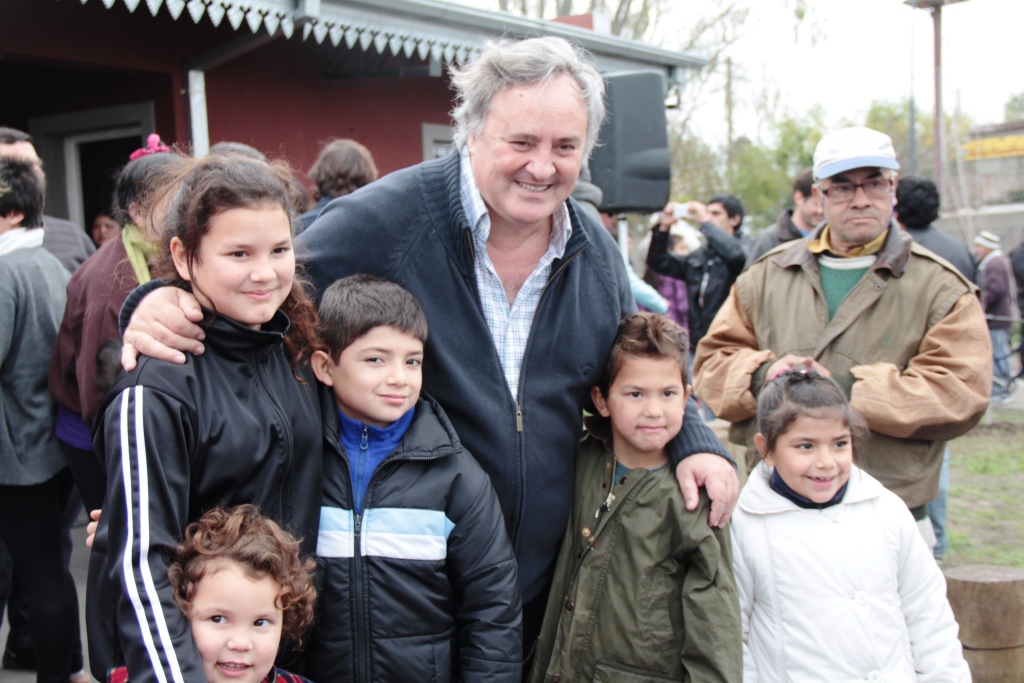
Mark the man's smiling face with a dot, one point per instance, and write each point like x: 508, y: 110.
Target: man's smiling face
x: 527, y: 158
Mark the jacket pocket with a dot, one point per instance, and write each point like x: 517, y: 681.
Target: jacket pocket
x: 609, y: 672
x: 417, y: 659
x: 655, y: 619
x: 442, y: 651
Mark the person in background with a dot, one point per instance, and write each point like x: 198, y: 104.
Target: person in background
x: 95, y: 294
x: 709, y: 271
x: 103, y: 227
x: 994, y: 275
x: 793, y: 224
x: 342, y: 167
x: 917, y: 208
x: 230, y: 147
x: 72, y: 247
x: 35, y: 483
x: 897, y: 327
x: 673, y: 290
x: 62, y: 238
x: 1017, y: 263
x: 589, y: 197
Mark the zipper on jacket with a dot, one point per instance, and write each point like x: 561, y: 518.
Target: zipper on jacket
x: 533, y: 321
x: 519, y: 391
x: 362, y: 590
x: 286, y: 429
x: 363, y: 655
x: 362, y: 627
x: 364, y: 444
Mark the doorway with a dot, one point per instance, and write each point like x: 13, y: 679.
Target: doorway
x: 82, y: 150
x: 93, y: 162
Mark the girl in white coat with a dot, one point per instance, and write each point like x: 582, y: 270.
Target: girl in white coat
x: 835, y: 581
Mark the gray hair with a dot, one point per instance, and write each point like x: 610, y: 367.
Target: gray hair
x: 509, y: 64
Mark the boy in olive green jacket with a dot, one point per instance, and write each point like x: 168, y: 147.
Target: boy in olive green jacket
x: 643, y: 588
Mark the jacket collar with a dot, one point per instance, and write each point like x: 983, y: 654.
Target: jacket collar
x: 237, y: 341
x: 429, y: 436
x: 757, y: 497
x: 894, y: 255
x: 787, y: 229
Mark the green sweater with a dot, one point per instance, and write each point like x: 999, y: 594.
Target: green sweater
x: 839, y: 276
x: 642, y: 589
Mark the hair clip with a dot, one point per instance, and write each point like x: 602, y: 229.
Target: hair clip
x: 153, y: 146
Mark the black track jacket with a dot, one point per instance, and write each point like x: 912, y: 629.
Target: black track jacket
x: 228, y: 427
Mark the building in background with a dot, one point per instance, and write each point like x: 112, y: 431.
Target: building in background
x: 993, y: 182
x: 95, y: 77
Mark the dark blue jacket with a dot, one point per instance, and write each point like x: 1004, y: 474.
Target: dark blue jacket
x: 420, y: 583
x: 410, y: 227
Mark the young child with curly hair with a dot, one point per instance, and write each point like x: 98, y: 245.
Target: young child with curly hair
x: 240, y: 581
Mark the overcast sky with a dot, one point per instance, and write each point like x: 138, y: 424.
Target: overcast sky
x: 863, y: 52
x: 868, y: 49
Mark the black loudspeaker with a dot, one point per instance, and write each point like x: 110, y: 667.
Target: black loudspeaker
x: 631, y: 162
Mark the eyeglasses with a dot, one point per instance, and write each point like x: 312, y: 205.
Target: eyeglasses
x: 876, y: 188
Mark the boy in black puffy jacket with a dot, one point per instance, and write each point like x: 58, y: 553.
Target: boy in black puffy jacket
x: 418, y: 576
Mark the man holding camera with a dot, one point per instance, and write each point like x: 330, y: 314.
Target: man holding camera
x: 709, y: 271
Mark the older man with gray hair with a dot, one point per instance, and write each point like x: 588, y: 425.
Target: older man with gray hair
x: 994, y: 277
x: 523, y: 294
x: 898, y: 328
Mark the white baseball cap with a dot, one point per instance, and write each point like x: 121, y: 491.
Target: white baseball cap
x: 988, y: 239
x: 854, y: 147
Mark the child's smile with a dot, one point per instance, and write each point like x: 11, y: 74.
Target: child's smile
x: 377, y: 378
x: 813, y: 457
x: 236, y: 623
x: 245, y: 264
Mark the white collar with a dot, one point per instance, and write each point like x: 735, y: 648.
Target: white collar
x: 991, y: 255
x: 758, y: 498
x: 20, y: 238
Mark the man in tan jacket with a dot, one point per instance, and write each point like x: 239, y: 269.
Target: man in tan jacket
x: 899, y: 329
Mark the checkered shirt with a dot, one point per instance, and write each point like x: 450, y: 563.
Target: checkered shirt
x: 509, y: 324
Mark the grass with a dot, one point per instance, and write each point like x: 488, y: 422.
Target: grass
x: 986, y: 492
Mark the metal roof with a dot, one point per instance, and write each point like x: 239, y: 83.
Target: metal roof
x: 427, y: 28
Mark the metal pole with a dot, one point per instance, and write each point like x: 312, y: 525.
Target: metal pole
x: 913, y: 117
x: 197, y: 112
x: 937, y: 21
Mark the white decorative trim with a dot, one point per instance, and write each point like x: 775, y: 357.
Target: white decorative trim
x: 428, y: 28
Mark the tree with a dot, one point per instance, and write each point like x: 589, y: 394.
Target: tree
x: 696, y: 167
x: 1014, y: 110
x: 893, y: 119
x: 629, y: 18
x: 760, y: 184
x: 795, y: 140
